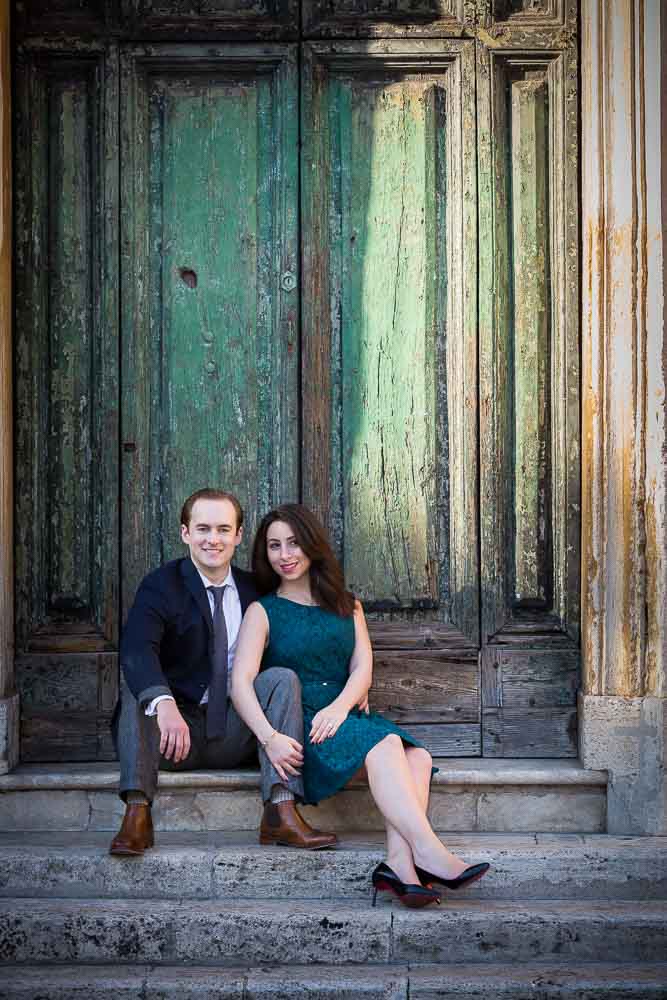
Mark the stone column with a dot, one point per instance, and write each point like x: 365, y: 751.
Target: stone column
x: 623, y: 707
x: 9, y: 706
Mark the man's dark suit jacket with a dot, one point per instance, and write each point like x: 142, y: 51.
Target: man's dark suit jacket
x: 167, y: 643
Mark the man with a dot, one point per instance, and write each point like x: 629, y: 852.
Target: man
x: 177, y: 652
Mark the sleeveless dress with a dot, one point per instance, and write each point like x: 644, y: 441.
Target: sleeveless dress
x: 318, y: 645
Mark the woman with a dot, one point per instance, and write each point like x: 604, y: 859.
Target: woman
x: 308, y: 622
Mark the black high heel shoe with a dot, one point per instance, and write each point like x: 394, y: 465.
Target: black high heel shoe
x: 467, y: 876
x: 414, y: 896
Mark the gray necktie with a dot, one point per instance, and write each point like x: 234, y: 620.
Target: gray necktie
x: 216, y: 713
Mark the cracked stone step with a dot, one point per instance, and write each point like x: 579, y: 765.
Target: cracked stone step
x: 595, y: 981
x: 223, y: 866
x: 553, y: 796
x: 279, y: 933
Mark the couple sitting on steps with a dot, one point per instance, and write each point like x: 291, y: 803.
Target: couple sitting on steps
x: 218, y: 663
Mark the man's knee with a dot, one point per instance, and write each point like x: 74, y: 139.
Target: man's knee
x: 280, y: 677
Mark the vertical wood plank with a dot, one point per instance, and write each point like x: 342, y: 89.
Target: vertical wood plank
x: 318, y: 294
x: 531, y: 347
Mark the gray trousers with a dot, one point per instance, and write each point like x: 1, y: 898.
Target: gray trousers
x: 137, y: 737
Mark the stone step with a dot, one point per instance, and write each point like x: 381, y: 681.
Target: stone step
x: 535, y: 981
x: 280, y: 933
x: 232, y: 865
x: 517, y: 796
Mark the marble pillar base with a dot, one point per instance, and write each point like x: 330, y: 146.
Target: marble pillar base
x: 627, y: 737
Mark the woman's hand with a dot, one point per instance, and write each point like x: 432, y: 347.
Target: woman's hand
x: 327, y: 722
x: 285, y: 753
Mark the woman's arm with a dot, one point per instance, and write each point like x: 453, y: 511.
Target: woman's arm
x: 328, y: 719
x: 284, y: 752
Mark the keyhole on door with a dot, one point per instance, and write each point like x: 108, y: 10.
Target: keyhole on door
x: 189, y: 277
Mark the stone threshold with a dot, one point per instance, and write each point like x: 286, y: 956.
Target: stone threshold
x: 452, y: 772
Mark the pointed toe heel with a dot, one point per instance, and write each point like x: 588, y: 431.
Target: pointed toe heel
x: 469, y: 875
x: 384, y: 879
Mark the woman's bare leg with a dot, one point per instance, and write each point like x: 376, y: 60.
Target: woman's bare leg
x: 392, y: 787
x: 399, y: 852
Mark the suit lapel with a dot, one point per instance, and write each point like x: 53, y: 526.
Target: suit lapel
x: 194, y: 584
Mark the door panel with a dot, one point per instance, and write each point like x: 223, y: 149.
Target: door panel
x: 210, y: 288
x: 181, y: 19
x: 389, y: 370
x: 386, y: 18
x: 66, y: 400
x: 529, y: 381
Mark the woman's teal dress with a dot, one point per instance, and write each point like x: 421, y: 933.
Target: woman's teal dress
x: 317, y: 645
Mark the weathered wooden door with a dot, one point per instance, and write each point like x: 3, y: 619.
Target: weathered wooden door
x: 329, y: 254
x: 390, y: 360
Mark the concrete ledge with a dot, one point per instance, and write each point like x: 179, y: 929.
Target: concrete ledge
x: 508, y: 796
x: 451, y: 772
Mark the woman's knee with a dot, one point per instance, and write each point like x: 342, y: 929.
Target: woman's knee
x: 420, y: 757
x: 389, y: 744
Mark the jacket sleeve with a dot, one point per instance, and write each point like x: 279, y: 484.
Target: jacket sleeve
x: 140, y: 646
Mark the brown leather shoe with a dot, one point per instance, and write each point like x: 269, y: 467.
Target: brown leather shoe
x: 136, y: 832
x: 282, y: 824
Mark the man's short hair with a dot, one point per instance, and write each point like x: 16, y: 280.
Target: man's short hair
x: 210, y: 494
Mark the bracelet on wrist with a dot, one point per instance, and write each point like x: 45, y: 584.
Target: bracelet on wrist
x: 268, y: 739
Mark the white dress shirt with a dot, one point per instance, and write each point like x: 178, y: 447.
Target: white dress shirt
x: 231, y: 608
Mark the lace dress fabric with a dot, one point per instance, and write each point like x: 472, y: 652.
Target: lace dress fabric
x: 318, y: 645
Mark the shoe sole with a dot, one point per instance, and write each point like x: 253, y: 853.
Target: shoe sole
x: 268, y: 841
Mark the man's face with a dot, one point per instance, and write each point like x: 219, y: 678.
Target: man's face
x: 212, y: 535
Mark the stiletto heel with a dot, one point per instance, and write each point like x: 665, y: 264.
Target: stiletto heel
x: 413, y: 896
x: 467, y: 876
x: 375, y: 895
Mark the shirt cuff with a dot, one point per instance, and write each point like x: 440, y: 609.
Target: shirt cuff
x: 151, y: 709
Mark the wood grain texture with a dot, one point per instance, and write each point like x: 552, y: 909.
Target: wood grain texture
x: 76, y: 737
x: 385, y: 18
x: 67, y: 391
x: 183, y: 19
x: 531, y: 347
x: 529, y: 702
x: 211, y: 296
x: 414, y: 686
x: 381, y: 382
x: 451, y: 740
x: 66, y: 357
x: 528, y: 340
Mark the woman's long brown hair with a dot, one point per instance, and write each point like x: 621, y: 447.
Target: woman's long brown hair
x: 327, y: 583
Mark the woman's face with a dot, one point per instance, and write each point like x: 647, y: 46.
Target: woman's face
x: 284, y: 553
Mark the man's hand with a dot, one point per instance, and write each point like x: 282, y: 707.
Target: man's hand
x: 285, y: 754
x: 174, y: 732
